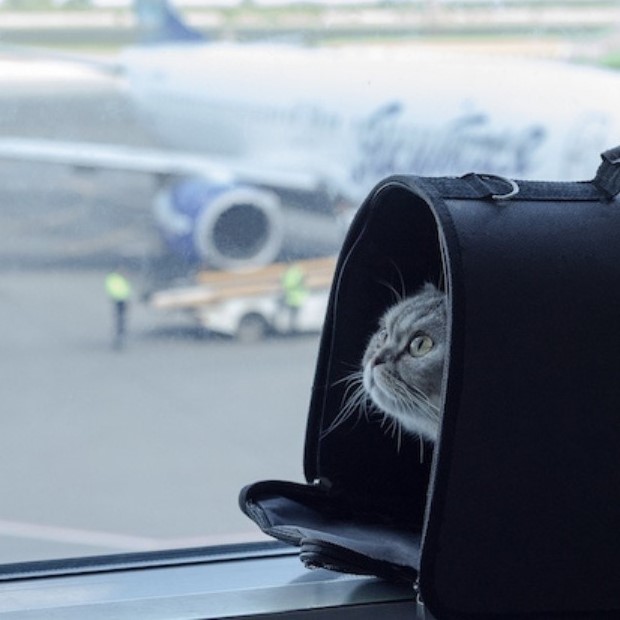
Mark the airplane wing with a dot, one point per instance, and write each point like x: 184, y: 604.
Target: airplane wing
x: 226, y: 215
x: 100, y: 64
x: 158, y: 162
x: 212, y: 210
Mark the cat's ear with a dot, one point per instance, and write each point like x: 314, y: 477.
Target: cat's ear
x: 429, y: 288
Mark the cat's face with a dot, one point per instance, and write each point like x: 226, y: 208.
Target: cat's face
x: 404, y: 360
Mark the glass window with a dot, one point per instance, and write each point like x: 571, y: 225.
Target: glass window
x: 164, y: 165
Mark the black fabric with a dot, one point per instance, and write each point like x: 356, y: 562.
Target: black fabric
x: 332, y: 531
x: 515, y: 512
x: 529, y: 467
x: 607, y: 178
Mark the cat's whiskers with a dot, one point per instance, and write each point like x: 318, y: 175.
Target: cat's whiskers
x: 397, y: 296
x: 403, y: 289
x: 421, y: 400
x: 354, y: 398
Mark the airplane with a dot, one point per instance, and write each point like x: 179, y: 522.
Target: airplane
x: 272, y: 146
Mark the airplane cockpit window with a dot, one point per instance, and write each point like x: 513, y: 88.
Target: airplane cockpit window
x: 176, y: 179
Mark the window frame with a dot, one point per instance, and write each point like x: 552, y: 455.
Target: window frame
x: 251, y: 580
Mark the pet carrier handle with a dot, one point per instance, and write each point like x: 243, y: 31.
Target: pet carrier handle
x: 607, y: 178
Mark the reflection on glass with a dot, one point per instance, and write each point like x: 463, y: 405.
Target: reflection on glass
x: 171, y: 214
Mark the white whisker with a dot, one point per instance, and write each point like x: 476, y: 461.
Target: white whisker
x: 397, y: 296
x: 354, y: 397
x: 403, y: 288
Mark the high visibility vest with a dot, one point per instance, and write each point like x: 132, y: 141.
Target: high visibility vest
x: 117, y: 287
x: 295, y: 291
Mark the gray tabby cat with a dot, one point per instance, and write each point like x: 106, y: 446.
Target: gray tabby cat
x: 402, y: 367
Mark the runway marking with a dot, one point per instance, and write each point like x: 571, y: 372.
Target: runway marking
x: 118, y: 542
x: 76, y: 536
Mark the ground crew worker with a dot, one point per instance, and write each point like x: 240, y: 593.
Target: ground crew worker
x: 118, y: 289
x: 295, y: 292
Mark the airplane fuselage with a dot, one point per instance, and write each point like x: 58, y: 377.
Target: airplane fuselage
x: 355, y: 115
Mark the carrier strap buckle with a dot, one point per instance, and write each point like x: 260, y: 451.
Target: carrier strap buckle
x: 492, y: 186
x: 607, y: 179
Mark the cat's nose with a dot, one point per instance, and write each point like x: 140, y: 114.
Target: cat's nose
x: 378, y: 359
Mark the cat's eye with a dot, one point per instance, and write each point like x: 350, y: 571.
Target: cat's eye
x: 420, y: 345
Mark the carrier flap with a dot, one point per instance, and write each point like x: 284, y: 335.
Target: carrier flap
x: 331, y: 532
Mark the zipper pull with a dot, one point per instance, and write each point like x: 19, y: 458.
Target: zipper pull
x: 322, y: 483
x: 421, y: 612
x: 418, y: 594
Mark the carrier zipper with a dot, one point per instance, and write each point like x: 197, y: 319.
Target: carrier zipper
x: 421, y: 613
x: 418, y: 594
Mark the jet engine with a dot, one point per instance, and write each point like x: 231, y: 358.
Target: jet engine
x: 229, y: 226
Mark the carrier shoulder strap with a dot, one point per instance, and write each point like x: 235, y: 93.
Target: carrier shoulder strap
x: 607, y: 178
x: 473, y: 186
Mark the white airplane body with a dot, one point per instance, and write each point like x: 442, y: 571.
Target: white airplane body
x: 362, y: 111
x: 258, y: 130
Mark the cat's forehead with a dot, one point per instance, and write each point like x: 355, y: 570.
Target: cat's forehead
x: 411, y: 311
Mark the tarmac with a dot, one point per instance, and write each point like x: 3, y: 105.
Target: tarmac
x: 105, y: 451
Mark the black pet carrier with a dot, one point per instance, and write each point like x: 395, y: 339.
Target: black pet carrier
x: 516, y: 511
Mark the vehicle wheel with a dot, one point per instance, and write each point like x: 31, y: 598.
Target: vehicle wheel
x: 252, y: 328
